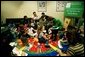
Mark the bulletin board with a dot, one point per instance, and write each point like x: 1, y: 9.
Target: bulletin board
x: 42, y: 6
x: 74, y: 9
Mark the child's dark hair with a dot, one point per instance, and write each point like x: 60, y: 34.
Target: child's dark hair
x: 71, y: 35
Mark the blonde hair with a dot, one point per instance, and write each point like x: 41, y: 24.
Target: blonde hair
x: 40, y: 29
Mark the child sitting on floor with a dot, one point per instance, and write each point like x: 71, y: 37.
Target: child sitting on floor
x: 19, y: 49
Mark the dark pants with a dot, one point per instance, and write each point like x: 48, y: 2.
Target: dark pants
x: 54, y: 34
x: 42, y: 40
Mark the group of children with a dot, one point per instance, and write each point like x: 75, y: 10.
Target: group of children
x: 31, y: 36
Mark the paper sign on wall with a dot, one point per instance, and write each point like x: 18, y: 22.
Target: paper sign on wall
x: 66, y: 22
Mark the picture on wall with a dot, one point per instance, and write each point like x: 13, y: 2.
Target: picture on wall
x: 42, y: 6
x: 60, y: 5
